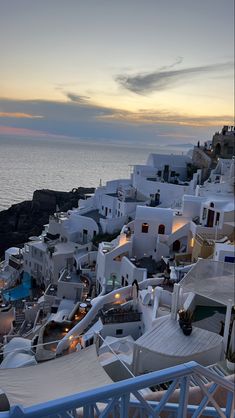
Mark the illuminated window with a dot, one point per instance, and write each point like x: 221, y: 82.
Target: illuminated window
x: 145, y: 228
x: 161, y: 229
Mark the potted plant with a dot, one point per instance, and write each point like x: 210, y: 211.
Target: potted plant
x: 185, y: 321
x: 230, y: 359
x: 185, y: 316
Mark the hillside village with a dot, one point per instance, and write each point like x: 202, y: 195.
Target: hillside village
x: 116, y: 271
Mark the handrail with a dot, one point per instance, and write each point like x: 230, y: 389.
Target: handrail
x: 97, y: 304
x: 122, y: 394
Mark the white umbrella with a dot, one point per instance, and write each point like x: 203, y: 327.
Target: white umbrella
x: 134, y: 294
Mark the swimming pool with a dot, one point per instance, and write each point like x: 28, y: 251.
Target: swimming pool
x: 19, y: 292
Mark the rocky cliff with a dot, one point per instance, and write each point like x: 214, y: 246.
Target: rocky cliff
x: 26, y: 219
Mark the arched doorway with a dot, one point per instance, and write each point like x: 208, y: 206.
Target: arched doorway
x: 210, y: 218
x: 176, y: 245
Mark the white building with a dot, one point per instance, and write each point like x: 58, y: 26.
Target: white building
x: 118, y: 262
x: 165, y: 179
x: 224, y: 251
x: 112, y: 205
x: 156, y: 230
x: 44, y: 260
x: 11, y: 268
x: 162, y: 181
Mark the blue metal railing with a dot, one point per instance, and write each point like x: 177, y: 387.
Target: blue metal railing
x: 124, y: 399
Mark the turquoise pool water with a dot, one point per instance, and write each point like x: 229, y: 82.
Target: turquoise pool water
x: 20, y: 292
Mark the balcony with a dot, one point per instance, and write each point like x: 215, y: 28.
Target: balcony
x: 126, y: 398
x: 116, y: 317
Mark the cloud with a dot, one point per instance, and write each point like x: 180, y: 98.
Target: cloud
x: 164, y: 78
x: 87, y: 120
x: 168, y: 118
x: 178, y: 61
x: 19, y: 115
x: 9, y: 130
x: 77, y: 98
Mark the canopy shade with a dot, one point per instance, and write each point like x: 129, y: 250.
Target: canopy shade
x: 67, y: 375
x: 213, y: 280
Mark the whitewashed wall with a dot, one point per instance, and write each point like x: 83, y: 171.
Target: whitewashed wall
x: 130, y: 272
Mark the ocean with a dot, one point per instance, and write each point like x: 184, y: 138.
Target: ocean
x: 27, y: 164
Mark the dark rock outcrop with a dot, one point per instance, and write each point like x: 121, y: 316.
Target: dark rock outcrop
x: 27, y: 218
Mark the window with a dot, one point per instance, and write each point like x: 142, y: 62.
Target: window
x: 145, y: 228
x: 119, y: 331
x: 217, y: 218
x: 161, y: 229
x: 109, y: 210
x: 229, y: 259
x: 212, y: 205
x: 204, y: 213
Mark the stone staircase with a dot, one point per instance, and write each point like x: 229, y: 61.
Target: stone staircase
x: 19, y: 319
x: 219, y: 369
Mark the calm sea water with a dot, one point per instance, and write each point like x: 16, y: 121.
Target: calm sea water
x: 27, y: 164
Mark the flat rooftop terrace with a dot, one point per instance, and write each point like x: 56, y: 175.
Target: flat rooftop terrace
x: 126, y: 199
x: 147, y: 263
x: 93, y: 214
x: 72, y: 277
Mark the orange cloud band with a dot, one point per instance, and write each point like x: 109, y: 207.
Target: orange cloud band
x: 149, y: 117
x: 19, y: 115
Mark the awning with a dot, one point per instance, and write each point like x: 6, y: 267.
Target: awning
x: 67, y: 375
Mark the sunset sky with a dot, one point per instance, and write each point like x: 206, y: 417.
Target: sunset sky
x: 116, y: 68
